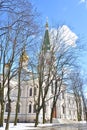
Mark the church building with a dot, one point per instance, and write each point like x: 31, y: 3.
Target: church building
x: 65, y: 108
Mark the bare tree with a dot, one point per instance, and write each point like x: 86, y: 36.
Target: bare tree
x: 65, y: 61
x: 77, y: 88
x: 84, y: 101
x: 22, y: 26
x: 8, y: 86
x: 20, y: 80
x: 55, y: 62
x: 19, y: 93
x: 14, y: 11
x: 45, y: 67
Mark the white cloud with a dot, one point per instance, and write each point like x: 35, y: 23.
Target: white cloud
x: 83, y: 1
x: 63, y: 35
x: 68, y: 36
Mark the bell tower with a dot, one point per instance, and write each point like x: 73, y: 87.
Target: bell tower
x: 46, y: 44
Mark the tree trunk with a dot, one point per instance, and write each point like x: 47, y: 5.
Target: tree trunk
x: 9, y: 105
x: 43, y: 112
x: 36, y: 121
x: 2, y: 115
x: 38, y: 104
x: 79, y: 112
x: 86, y: 116
x: 53, y: 107
x: 51, y: 116
x: 8, y: 116
x: 2, y: 93
x: 0, y: 103
x: 18, y: 97
x: 37, y: 110
x: 2, y: 107
x: 16, y: 114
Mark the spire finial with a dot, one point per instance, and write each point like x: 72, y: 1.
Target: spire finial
x: 46, y: 23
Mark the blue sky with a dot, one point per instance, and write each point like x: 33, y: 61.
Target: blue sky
x: 72, y: 13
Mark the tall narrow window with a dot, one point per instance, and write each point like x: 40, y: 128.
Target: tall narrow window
x: 69, y: 101
x: 30, y: 91
x: 69, y: 112
x: 30, y: 107
x: 34, y: 108
x: 63, y: 109
x: 35, y: 90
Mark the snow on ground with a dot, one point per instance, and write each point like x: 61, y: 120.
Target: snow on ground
x: 20, y: 126
x: 30, y: 126
x: 82, y: 122
x: 24, y: 126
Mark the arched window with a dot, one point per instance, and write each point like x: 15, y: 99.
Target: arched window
x: 35, y: 91
x: 30, y: 108
x: 69, y: 112
x: 69, y: 101
x: 30, y: 92
x: 7, y: 107
x: 34, y: 108
x: 63, y: 108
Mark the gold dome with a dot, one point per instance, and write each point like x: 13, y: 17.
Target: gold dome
x: 24, y: 57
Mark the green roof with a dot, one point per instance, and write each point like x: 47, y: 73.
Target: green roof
x: 46, y: 42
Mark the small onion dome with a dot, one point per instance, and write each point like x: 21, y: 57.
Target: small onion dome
x: 7, y: 65
x: 24, y: 57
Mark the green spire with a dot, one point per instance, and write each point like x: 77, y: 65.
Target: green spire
x: 46, y: 42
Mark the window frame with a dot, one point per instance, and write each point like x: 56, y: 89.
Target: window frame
x: 30, y: 108
x: 30, y: 92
